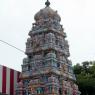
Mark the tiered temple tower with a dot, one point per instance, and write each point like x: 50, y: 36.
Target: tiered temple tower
x: 47, y: 69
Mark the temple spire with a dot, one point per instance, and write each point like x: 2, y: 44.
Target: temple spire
x: 47, y: 3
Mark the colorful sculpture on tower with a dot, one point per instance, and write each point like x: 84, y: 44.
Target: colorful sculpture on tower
x: 47, y: 69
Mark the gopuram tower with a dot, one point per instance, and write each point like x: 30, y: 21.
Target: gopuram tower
x: 47, y: 69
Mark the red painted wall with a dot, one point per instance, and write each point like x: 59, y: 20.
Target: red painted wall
x: 8, y: 80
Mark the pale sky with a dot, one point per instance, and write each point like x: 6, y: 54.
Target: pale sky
x: 17, y: 16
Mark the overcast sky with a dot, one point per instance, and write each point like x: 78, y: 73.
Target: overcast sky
x: 17, y: 16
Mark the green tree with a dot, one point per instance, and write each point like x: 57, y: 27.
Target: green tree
x: 85, y: 75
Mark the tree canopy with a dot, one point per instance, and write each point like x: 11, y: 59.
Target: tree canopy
x: 85, y: 75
